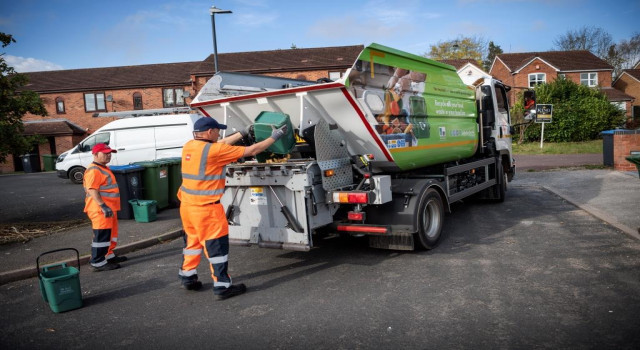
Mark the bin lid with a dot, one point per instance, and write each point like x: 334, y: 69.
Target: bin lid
x: 123, y: 169
x: 171, y: 161
x: 151, y: 164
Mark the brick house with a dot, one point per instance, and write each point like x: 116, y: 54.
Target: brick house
x: 468, y: 69
x: 629, y: 83
x: 72, y: 97
x: 527, y: 69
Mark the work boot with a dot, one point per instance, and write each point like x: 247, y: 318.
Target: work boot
x: 117, y: 259
x: 106, y: 267
x: 192, y: 285
x: 235, y: 289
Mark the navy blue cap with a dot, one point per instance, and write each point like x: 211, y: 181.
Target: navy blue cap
x: 206, y: 123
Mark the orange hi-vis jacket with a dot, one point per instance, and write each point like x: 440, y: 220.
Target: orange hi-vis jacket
x: 203, y: 170
x: 101, y: 178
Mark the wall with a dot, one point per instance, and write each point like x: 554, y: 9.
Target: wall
x: 623, y: 144
x: 122, y: 101
x: 629, y: 86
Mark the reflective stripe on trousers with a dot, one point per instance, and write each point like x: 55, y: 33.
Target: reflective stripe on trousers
x: 206, y: 229
x: 105, y: 237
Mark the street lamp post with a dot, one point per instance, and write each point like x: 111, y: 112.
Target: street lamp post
x: 213, y: 11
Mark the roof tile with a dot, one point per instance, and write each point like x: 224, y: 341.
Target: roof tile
x: 563, y: 60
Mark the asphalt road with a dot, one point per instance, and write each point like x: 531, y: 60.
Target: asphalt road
x: 44, y: 197
x: 532, y: 272
x: 40, y: 197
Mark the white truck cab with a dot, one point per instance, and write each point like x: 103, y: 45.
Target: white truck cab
x: 136, y: 139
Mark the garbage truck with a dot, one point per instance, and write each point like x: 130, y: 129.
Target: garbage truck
x: 382, y: 152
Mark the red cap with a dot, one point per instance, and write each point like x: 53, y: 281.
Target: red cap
x: 102, y: 147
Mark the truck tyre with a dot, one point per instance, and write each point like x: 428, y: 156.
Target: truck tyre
x: 76, y: 174
x: 430, y: 219
x: 500, y: 189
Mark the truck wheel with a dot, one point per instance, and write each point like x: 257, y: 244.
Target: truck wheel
x: 501, y: 188
x: 76, y: 174
x: 430, y: 219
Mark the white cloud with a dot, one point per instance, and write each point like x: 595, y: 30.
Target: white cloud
x: 28, y: 64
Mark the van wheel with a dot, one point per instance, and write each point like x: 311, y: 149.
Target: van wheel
x: 76, y: 174
x: 430, y: 219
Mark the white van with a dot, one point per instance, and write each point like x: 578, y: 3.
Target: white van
x: 136, y: 139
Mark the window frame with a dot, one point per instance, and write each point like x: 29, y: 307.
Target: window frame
x: 588, y: 80
x: 536, y: 81
x: 175, y: 96
x: 95, y: 101
x: 59, y: 100
x: 137, y: 95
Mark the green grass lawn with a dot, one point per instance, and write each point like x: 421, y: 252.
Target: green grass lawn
x: 559, y: 147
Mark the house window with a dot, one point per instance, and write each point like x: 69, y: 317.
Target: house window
x: 335, y: 75
x: 635, y: 113
x: 537, y: 78
x: 589, y: 79
x: 60, y: 105
x: 137, y: 100
x: 562, y: 76
x: 620, y: 105
x: 173, y: 97
x: 94, y: 102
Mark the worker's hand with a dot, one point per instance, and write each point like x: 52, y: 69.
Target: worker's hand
x: 106, y: 210
x: 278, y: 133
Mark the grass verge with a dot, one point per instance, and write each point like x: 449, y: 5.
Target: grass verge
x: 586, y: 147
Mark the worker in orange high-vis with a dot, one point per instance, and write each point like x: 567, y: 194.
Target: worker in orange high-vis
x: 203, y: 218
x: 102, y: 202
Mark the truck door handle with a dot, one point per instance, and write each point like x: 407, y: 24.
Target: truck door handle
x: 120, y: 149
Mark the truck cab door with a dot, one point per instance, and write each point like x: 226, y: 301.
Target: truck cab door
x: 503, y: 119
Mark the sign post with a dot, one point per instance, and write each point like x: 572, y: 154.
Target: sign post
x: 543, y: 115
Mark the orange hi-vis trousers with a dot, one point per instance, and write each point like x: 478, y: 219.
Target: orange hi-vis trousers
x: 105, y: 237
x: 205, y: 226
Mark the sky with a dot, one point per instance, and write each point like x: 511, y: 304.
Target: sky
x: 72, y: 34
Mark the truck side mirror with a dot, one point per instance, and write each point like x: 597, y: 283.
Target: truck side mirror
x: 529, y: 100
x: 529, y: 104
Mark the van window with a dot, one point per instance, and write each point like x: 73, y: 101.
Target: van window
x: 91, y: 141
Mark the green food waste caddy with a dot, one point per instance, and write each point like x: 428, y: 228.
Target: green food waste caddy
x: 264, y: 126
x: 60, y: 284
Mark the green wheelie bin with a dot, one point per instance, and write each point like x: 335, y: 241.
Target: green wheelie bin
x: 155, y: 182
x: 175, y: 179
x: 49, y: 161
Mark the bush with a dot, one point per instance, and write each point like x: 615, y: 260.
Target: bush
x: 580, y: 113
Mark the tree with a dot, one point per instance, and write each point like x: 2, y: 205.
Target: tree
x: 580, y: 113
x: 463, y: 47
x: 630, y: 51
x: 493, y: 51
x: 594, y: 39
x: 14, y: 104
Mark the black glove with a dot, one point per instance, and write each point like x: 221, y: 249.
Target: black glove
x: 106, y: 210
x: 278, y: 133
